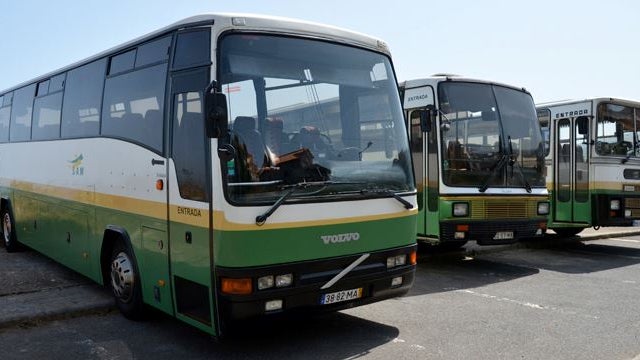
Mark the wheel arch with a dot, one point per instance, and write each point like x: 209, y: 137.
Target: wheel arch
x: 111, y: 236
x: 5, y: 203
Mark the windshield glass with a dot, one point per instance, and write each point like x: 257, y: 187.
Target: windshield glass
x: 617, y: 130
x: 303, y: 110
x: 490, y: 136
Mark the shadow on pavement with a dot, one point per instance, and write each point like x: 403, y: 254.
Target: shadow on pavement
x: 573, y: 257
x: 455, y: 270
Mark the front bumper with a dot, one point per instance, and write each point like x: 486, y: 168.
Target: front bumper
x: 305, y: 294
x: 486, y: 232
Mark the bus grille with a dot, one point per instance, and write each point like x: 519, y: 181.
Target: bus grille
x: 504, y: 209
x: 632, y: 203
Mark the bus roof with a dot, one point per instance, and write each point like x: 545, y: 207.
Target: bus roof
x: 230, y: 21
x: 551, y: 104
x: 432, y: 80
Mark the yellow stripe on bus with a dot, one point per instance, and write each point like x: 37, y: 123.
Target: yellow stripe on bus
x: 178, y: 213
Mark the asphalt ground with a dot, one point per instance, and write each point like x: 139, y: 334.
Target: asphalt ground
x: 35, y: 289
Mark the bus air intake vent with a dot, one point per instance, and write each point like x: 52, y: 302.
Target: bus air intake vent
x: 503, y: 209
x: 632, y: 203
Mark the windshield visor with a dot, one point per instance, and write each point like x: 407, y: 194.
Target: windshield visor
x: 310, y: 111
x: 490, y: 136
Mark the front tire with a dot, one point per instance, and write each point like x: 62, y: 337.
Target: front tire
x: 125, y: 283
x: 9, y: 236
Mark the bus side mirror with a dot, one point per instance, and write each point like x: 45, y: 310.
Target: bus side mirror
x: 216, y: 122
x: 583, y: 125
x: 426, y: 118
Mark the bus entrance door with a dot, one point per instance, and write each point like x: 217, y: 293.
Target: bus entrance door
x: 189, y: 200
x: 418, y: 153
x: 571, y: 189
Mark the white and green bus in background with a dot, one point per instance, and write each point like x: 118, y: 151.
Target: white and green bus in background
x: 159, y: 169
x: 593, y: 162
x: 478, y: 157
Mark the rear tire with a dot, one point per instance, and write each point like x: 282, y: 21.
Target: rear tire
x: 125, y: 283
x: 567, y: 232
x: 9, y: 236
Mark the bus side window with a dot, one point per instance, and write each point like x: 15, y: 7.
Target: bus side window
x: 189, y: 146
x: 128, y: 97
x: 20, y: 128
x: 82, y: 98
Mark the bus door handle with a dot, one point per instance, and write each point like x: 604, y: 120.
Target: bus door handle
x: 155, y: 162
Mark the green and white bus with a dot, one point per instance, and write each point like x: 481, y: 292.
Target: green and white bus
x: 479, y: 161
x: 157, y: 168
x: 593, y: 163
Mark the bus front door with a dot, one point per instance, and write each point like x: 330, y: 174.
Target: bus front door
x: 189, y: 202
x: 572, y: 203
x: 418, y: 154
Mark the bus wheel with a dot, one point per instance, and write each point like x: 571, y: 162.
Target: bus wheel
x: 8, y: 232
x: 125, y: 283
x: 567, y: 232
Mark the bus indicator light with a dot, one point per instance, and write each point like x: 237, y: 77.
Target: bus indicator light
x: 413, y: 258
x: 236, y: 286
x: 159, y: 184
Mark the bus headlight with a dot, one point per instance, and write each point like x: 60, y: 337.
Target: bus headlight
x: 398, y: 260
x: 614, y: 205
x: 460, y: 209
x: 543, y: 208
x: 284, y: 280
x: 265, y: 282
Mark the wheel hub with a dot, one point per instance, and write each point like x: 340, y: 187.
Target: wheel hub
x: 122, y: 277
x: 6, y: 228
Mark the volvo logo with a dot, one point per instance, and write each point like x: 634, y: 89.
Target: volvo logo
x: 339, y: 238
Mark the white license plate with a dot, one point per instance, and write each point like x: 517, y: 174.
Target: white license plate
x: 339, y: 296
x: 503, y: 235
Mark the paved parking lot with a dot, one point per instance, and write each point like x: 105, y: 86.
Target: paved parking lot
x: 560, y: 300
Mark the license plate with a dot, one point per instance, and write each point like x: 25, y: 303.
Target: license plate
x: 503, y: 235
x: 339, y: 296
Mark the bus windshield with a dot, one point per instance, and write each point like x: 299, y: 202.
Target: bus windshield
x: 309, y: 111
x: 617, y: 130
x: 490, y: 137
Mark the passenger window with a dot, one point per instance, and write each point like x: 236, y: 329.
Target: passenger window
x: 122, y: 62
x: 46, y: 117
x: 56, y: 83
x: 193, y: 48
x: 133, y: 104
x: 5, y: 114
x: 43, y: 88
x: 153, y: 52
x: 7, y: 99
x: 20, y: 128
x: 82, y: 98
x: 189, y: 146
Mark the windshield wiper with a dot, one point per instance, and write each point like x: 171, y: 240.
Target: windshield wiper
x: 261, y: 219
x: 512, y: 161
x: 498, y: 166
x: 527, y: 186
x: 407, y: 205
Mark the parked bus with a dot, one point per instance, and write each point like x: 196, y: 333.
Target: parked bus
x: 479, y: 161
x: 593, y: 163
x: 157, y: 168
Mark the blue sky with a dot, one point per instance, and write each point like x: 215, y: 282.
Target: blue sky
x: 555, y: 49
